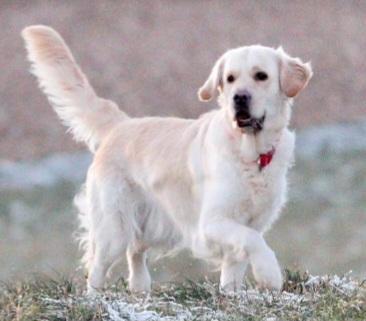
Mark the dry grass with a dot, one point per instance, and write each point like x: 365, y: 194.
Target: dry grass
x: 303, y: 297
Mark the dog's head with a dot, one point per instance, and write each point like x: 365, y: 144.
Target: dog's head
x: 254, y: 84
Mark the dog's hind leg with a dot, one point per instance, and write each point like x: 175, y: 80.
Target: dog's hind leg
x: 112, y: 227
x: 139, y: 277
x: 107, y: 250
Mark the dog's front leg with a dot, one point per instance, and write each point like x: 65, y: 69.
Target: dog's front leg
x: 245, y: 242
x: 241, y: 243
x: 232, y: 274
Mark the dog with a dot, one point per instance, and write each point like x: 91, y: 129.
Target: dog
x: 213, y: 185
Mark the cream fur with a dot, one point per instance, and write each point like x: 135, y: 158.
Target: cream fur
x: 170, y: 182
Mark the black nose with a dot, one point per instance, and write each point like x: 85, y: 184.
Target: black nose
x: 242, y: 99
x: 242, y: 103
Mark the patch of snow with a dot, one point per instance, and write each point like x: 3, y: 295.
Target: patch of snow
x: 345, y: 284
x: 120, y: 311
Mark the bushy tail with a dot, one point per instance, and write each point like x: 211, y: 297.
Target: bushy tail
x: 88, y: 116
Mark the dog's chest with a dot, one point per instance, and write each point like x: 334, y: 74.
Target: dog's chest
x: 259, y: 194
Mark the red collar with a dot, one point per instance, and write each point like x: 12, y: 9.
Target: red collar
x: 265, y: 159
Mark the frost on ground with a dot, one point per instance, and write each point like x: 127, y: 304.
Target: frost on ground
x: 304, y: 297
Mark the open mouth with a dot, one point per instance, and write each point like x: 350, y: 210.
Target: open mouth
x: 249, y: 123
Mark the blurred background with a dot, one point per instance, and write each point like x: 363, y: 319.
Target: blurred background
x: 151, y: 57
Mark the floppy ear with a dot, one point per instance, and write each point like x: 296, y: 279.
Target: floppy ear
x: 294, y: 74
x: 214, y: 80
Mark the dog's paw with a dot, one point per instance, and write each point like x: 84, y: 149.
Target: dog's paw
x: 266, y: 270
x: 228, y: 290
x: 140, y: 284
x: 231, y: 288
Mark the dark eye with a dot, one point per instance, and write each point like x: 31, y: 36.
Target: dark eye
x: 230, y: 78
x: 260, y: 76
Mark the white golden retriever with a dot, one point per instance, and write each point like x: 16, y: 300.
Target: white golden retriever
x: 213, y: 184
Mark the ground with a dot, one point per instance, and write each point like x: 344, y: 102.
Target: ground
x: 303, y: 297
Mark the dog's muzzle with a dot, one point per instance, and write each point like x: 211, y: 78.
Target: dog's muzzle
x: 242, y: 101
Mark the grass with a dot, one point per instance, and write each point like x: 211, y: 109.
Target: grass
x: 303, y: 297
